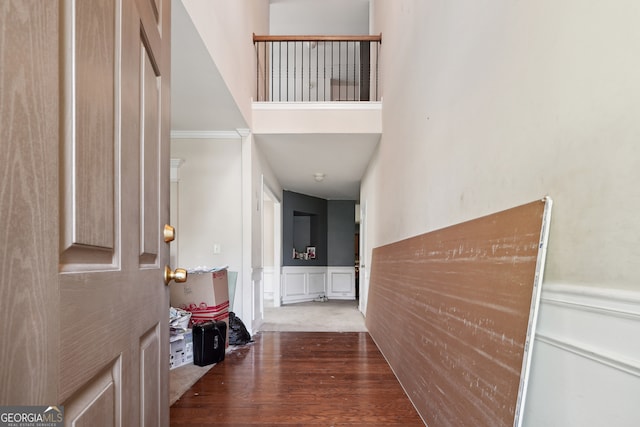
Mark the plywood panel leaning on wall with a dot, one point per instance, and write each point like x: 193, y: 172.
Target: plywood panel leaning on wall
x: 453, y: 311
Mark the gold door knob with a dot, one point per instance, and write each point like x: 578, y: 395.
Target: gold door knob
x: 169, y: 233
x: 179, y: 275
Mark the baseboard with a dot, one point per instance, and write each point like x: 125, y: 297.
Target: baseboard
x: 586, y: 365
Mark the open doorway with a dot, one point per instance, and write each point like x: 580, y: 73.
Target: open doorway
x: 271, y: 247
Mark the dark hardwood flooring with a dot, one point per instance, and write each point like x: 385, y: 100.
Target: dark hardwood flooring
x: 299, y: 379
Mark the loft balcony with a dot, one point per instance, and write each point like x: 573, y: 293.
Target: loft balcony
x: 317, y: 84
x: 317, y: 68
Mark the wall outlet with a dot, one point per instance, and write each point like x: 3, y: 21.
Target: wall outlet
x: 216, y: 248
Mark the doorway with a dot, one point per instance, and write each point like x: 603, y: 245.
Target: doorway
x: 363, y: 272
x: 271, y: 247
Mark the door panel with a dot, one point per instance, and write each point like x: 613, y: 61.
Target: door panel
x: 88, y: 223
x: 90, y: 28
x: 150, y: 408
x: 150, y: 119
x: 99, y: 400
x: 114, y: 309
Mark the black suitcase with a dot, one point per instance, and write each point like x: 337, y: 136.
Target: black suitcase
x: 209, y: 342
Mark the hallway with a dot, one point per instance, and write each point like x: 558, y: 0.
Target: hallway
x: 299, y: 379
x: 314, y: 316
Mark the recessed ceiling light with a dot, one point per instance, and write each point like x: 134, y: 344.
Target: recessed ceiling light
x: 318, y: 176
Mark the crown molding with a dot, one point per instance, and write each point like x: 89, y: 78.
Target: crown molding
x: 243, y: 132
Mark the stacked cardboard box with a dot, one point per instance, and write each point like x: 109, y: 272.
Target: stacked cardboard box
x: 181, y: 351
x: 205, y: 295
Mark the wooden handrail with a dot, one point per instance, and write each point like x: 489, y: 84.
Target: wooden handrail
x: 317, y: 38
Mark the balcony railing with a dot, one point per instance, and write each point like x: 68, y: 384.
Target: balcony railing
x: 317, y: 68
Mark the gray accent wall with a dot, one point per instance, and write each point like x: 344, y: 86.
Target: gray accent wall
x: 304, y: 223
x: 329, y: 225
x: 341, y: 233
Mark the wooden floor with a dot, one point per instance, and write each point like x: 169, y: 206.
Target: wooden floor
x: 299, y: 379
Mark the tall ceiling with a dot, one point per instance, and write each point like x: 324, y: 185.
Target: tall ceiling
x: 202, y: 102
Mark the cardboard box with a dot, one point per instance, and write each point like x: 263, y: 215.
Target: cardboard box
x: 181, y: 351
x: 204, y: 295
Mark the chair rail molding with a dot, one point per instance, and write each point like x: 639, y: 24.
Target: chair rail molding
x: 586, y: 360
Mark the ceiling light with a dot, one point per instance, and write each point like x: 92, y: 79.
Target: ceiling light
x: 318, y: 176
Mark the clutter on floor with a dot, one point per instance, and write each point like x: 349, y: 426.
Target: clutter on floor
x: 200, y: 317
x: 238, y: 333
x: 180, y: 338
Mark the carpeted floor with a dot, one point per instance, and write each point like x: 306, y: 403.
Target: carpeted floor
x: 329, y: 316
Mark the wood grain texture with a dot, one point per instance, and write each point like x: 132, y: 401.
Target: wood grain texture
x: 450, y: 312
x: 299, y: 379
x: 91, y: 95
x: 150, y: 151
x: 28, y: 202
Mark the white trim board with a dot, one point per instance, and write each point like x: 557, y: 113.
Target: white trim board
x: 586, y: 361
x: 337, y: 105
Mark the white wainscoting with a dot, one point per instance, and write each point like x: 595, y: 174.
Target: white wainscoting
x: 341, y: 283
x: 301, y: 284
x: 585, y: 369
x: 267, y: 278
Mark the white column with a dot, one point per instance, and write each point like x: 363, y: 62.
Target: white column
x: 245, y: 285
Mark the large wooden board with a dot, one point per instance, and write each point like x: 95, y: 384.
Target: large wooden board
x: 453, y: 311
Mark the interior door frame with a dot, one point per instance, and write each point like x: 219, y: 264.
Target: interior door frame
x: 363, y: 280
x: 277, y: 240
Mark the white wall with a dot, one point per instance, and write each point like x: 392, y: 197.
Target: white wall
x: 488, y: 105
x: 213, y: 208
x: 295, y: 17
x: 226, y: 28
x: 209, y: 202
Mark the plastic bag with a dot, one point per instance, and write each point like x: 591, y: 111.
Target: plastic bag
x: 238, y: 334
